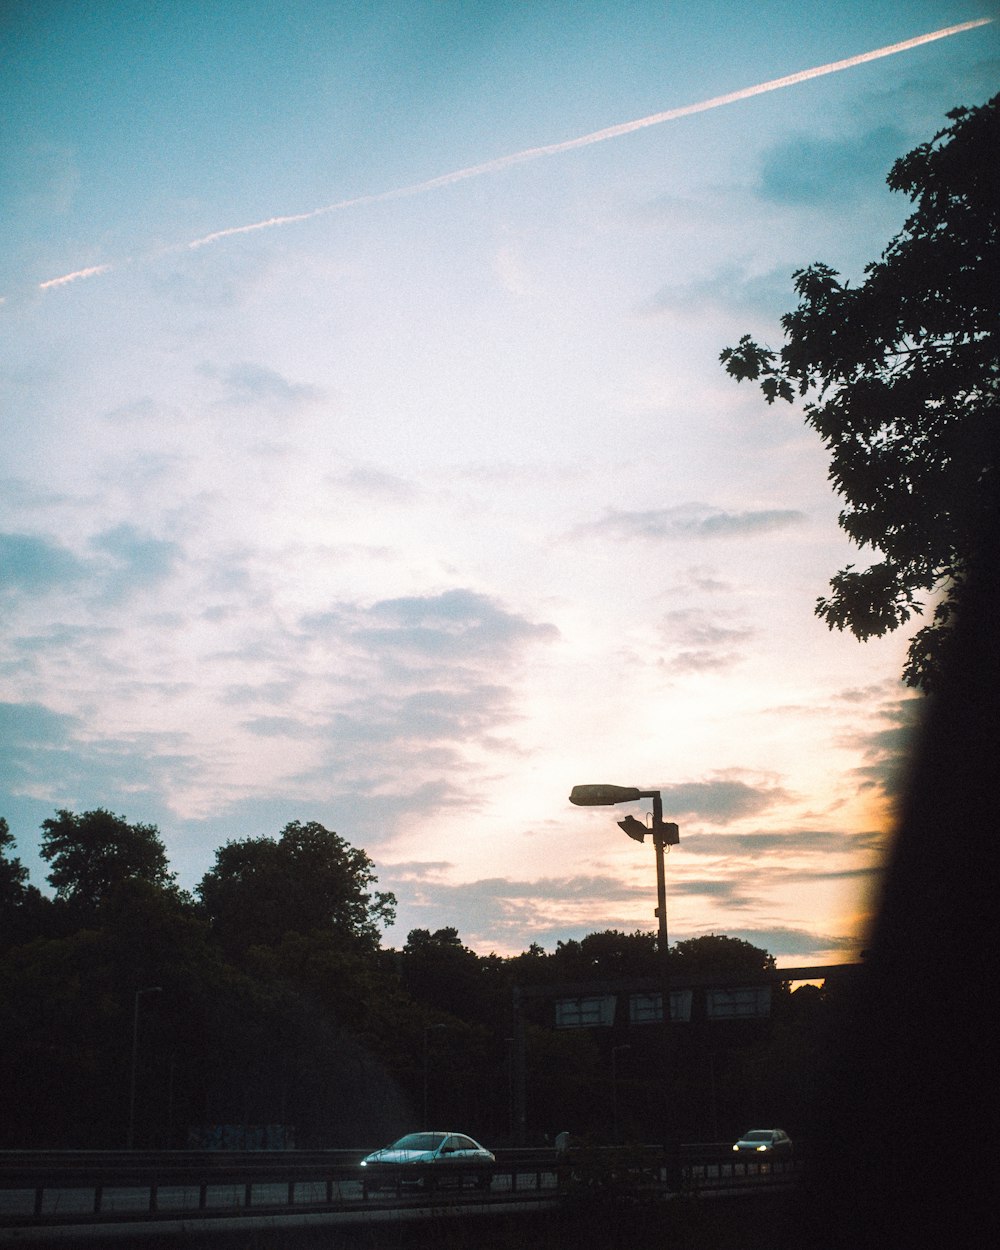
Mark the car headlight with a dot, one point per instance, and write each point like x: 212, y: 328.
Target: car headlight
x: 760, y: 1148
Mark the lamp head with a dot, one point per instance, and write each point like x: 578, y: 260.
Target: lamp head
x: 603, y: 795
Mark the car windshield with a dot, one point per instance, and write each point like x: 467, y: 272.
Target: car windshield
x: 759, y: 1134
x: 419, y: 1141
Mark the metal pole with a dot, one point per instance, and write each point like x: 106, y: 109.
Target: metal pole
x: 520, y: 1073
x: 614, y: 1091
x: 661, y: 893
x: 427, y: 1029
x: 150, y: 989
x: 425, y: 1076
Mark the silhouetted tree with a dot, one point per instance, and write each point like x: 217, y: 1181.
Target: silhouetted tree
x: 607, y: 954
x: 13, y: 874
x: 92, y: 853
x: 22, y: 906
x: 718, y: 953
x: 309, y: 879
x: 904, y: 377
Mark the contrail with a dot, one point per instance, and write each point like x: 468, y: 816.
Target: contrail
x: 553, y: 149
x: 92, y: 272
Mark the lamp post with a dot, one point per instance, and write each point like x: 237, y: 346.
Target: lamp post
x: 427, y: 1029
x: 614, y: 1090
x: 149, y: 989
x: 665, y: 833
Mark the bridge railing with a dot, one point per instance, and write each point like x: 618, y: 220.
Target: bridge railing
x: 50, y: 1187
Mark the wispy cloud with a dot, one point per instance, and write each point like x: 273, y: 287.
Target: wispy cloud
x: 701, y: 641
x: 501, y: 163
x: 721, y: 799
x: 690, y: 520
x: 456, y: 626
x: 248, y: 383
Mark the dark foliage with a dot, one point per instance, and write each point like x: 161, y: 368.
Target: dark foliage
x: 275, y: 1004
x: 903, y: 379
x: 310, y: 879
x: 92, y: 853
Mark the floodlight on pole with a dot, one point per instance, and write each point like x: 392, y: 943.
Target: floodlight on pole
x: 664, y: 833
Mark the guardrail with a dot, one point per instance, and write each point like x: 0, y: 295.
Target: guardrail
x: 45, y: 1188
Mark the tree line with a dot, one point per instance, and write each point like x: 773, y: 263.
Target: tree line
x: 133, y: 1010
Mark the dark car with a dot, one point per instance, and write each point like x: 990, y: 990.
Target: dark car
x: 764, y: 1141
x: 429, y: 1159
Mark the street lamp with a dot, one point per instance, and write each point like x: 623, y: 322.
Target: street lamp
x: 149, y: 989
x: 427, y: 1029
x: 664, y: 834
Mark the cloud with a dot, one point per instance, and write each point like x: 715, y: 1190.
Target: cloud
x: 887, y: 750
x: 689, y: 521
x: 376, y: 484
x: 783, y: 942
x: 515, y: 912
x: 47, y: 752
x: 429, y: 715
x: 277, y: 727
x: 721, y: 799
x: 138, y: 561
x: 32, y: 726
x: 455, y: 626
x: 35, y: 565
x: 783, y: 844
x: 126, y: 560
x: 247, y: 383
x: 805, y: 170
x: 702, y: 643
x: 511, y: 911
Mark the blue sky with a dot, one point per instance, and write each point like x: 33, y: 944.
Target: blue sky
x: 408, y: 515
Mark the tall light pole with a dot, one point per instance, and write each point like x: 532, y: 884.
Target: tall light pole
x: 149, y: 989
x: 614, y: 1090
x: 664, y: 834
x: 427, y: 1029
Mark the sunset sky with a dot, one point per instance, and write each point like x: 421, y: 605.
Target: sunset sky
x: 367, y: 459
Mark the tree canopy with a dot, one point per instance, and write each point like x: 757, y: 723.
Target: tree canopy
x: 279, y: 1006
x: 717, y: 952
x: 309, y: 879
x: 96, y: 851
x: 902, y: 375
x: 13, y: 874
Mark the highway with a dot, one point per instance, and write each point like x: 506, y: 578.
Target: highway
x: 89, y: 1194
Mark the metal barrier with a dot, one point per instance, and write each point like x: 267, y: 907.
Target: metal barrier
x: 47, y: 1188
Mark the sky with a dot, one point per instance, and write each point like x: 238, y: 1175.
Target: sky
x: 367, y: 458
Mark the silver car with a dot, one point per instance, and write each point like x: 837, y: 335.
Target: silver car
x: 762, y: 1141
x: 429, y: 1159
